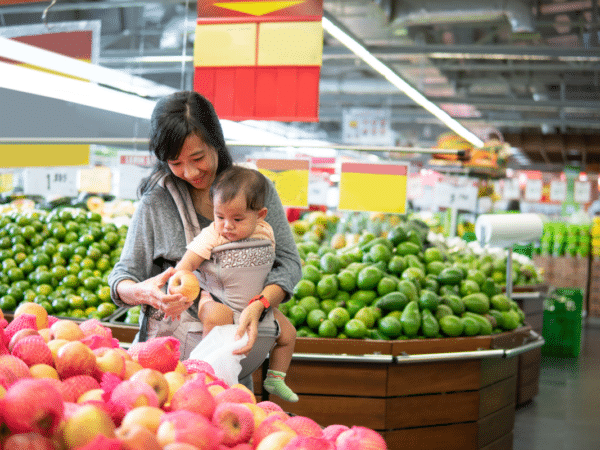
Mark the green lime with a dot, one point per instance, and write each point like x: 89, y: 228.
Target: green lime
x: 44, y: 289
x: 8, y: 264
x: 8, y: 303
x: 70, y: 281
x: 60, y: 305
x: 15, y: 274
x: 339, y: 316
x: 92, y: 283
x: 105, y: 309
x: 355, y: 329
x: 315, y: 317
x: 103, y: 293
x: 304, y: 288
x: 103, y: 264
x: 297, y: 315
x: 327, y: 329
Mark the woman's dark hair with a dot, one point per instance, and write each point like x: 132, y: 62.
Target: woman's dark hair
x: 174, y: 119
x: 229, y: 183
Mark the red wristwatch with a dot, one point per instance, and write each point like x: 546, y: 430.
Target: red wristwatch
x: 261, y: 298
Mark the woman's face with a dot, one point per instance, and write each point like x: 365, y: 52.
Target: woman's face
x: 197, y: 163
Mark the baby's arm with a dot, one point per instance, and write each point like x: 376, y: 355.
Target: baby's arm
x: 190, y: 261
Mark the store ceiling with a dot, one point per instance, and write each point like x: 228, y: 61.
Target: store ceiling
x: 527, y: 71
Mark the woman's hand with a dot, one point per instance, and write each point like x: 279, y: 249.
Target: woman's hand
x: 249, y: 324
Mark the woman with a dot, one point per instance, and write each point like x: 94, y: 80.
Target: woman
x: 187, y: 139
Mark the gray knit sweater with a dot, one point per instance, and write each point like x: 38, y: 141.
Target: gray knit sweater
x: 156, y: 240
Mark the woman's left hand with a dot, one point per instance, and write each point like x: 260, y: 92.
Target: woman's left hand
x: 249, y: 324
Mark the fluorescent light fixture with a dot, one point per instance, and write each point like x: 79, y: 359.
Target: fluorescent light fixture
x: 35, y: 56
x: 35, y: 82
x: 353, y: 43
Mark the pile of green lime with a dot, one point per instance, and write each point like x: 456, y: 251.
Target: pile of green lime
x: 60, y: 259
x: 396, y: 286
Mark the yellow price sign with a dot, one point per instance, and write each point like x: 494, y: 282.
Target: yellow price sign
x: 97, y: 180
x: 373, y: 187
x: 6, y: 182
x: 290, y: 177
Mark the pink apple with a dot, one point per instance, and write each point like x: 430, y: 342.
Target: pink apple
x: 33, y: 350
x: 12, y: 369
x: 135, y: 437
x: 270, y: 425
x: 236, y: 395
x: 156, y: 380
x: 66, y: 329
x: 146, y: 416
x: 195, y: 397
x: 94, y: 327
x: 160, y: 353
x: 128, y: 395
x: 191, y: 428
x: 185, y: 283
x: 33, y: 404
x: 20, y: 322
x: 181, y: 446
x: 305, y: 426
x: 102, y: 442
x: 276, y: 440
x: 85, y: 423
x: 236, y: 420
x: 309, y: 443
x: 331, y: 432
x: 73, y: 388
x: 360, y: 438
x: 20, y: 334
x: 75, y: 358
x: 28, y: 441
x: 269, y: 407
x: 110, y: 360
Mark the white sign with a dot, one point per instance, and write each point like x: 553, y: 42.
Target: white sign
x: 459, y: 196
x: 511, y: 189
x: 558, y: 191
x: 533, y: 190
x: 367, y: 126
x: 582, y: 192
x: 414, y: 187
x: 50, y: 181
x: 128, y: 179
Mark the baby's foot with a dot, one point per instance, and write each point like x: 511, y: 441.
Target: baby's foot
x: 275, y: 384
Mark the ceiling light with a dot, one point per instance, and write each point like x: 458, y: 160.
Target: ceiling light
x: 37, y: 57
x: 344, y: 36
x: 35, y: 82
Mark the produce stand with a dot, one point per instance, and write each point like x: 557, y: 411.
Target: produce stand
x: 448, y: 393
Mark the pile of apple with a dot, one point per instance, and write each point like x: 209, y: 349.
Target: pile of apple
x: 67, y: 385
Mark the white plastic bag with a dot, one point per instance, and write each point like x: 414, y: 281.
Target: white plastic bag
x: 217, y: 349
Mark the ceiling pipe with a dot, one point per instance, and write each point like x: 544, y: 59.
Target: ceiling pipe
x: 428, y: 12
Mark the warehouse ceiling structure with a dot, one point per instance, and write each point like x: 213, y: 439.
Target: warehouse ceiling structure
x: 525, y: 71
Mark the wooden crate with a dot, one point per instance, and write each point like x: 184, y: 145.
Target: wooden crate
x: 446, y: 404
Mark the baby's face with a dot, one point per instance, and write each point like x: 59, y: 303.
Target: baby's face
x: 233, y: 220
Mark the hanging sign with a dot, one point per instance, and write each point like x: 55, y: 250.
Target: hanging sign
x: 373, y: 187
x: 50, y: 182
x: 511, y: 189
x: 41, y: 155
x: 533, y: 190
x: 558, y: 191
x: 290, y: 177
x: 582, y: 192
x: 462, y: 196
x: 367, y: 126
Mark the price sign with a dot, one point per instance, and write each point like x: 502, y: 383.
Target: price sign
x: 511, y: 189
x: 127, y: 180
x: 463, y: 197
x: 50, y: 182
x: 6, y: 182
x: 533, y: 190
x: 582, y: 192
x: 414, y: 187
x: 290, y: 177
x: 373, y: 187
x: 558, y: 191
x: 96, y: 180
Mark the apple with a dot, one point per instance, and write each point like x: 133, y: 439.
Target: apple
x: 85, y: 423
x: 33, y: 404
x: 40, y: 313
x: 46, y: 333
x: 135, y: 437
x: 191, y: 428
x: 161, y: 353
x: 128, y: 395
x: 156, y: 380
x: 185, y: 283
x: 305, y: 426
x: 12, y: 369
x: 180, y: 446
x: 75, y: 358
x: 28, y: 441
x: 91, y: 395
x: 43, y: 371
x: 270, y: 425
x: 269, y: 406
x: 21, y: 334
x: 66, y: 329
x: 309, y: 443
x: 181, y: 368
x: 360, y: 438
x: 236, y: 395
x: 175, y: 380
x: 74, y: 387
x: 245, y: 388
x: 54, y: 345
x: 131, y: 367
x: 331, y: 432
x: 276, y: 440
x: 110, y: 360
x: 18, y: 323
x: 258, y: 413
x: 146, y: 416
x: 215, y: 389
x: 236, y: 420
x: 195, y: 397
x: 33, y: 350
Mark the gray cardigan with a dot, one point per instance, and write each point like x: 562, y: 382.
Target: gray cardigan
x: 156, y: 240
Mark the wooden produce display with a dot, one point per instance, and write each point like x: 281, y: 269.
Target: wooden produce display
x: 449, y: 393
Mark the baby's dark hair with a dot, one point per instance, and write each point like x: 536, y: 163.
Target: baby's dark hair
x: 229, y: 183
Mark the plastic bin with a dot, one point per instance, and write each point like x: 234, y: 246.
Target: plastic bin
x: 562, y: 322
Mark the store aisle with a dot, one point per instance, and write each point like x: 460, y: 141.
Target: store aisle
x: 565, y: 415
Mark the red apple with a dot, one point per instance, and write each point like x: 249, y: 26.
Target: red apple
x: 276, y: 440
x: 20, y: 334
x: 195, y: 397
x: 180, y: 446
x: 75, y: 358
x: 128, y: 395
x: 156, y: 380
x: 270, y: 425
x: 360, y: 438
x: 188, y: 427
x: 236, y: 420
x: 146, y: 416
x: 305, y: 426
x: 28, y: 441
x: 85, y: 423
x: 236, y: 395
x: 309, y: 443
x: 33, y: 404
x: 110, y: 360
x: 73, y: 388
x: 135, y: 437
x: 33, y: 350
x: 66, y: 329
x: 161, y: 353
x: 12, y: 369
x: 185, y: 283
x: 331, y: 432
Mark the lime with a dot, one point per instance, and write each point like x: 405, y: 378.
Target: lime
x: 70, y: 281
x: 43, y: 289
x: 60, y: 305
x: 92, y: 283
x: 87, y: 263
x: 8, y: 303
x: 369, y: 277
x: 346, y: 280
x: 73, y: 269
x: 15, y: 274
x: 355, y: 329
x: 327, y: 287
x: 339, y: 316
x: 105, y: 309
x: 304, y: 288
x: 103, y: 264
x: 8, y: 263
x: 315, y: 317
x: 15, y: 292
x: 29, y: 295
x: 327, y: 329
x: 296, y: 314
x: 103, y: 293
x: 311, y: 273
x: 309, y: 303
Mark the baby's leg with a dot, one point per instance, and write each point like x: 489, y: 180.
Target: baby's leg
x: 280, y: 359
x: 213, y: 314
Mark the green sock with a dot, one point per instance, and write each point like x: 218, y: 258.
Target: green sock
x: 275, y: 384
